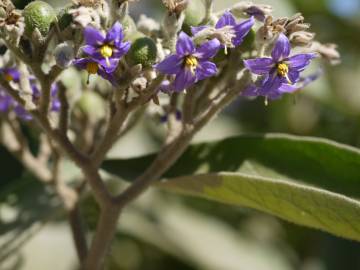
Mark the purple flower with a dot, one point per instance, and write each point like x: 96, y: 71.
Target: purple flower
x: 281, y: 71
x: 55, y: 102
x: 5, y: 101
x: 92, y: 66
x: 233, y: 33
x: 190, y: 64
x: 106, y: 49
x: 10, y: 74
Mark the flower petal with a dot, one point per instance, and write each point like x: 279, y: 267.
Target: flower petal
x: 184, y: 79
x: 288, y: 88
x: 301, y: 61
x: 205, y: 70
x: 82, y: 62
x: 242, y: 29
x: 208, y: 49
x: 294, y: 76
x: 226, y: 19
x: 282, y: 48
x: 115, y: 34
x: 271, y: 86
x: 184, y: 45
x: 250, y: 91
x: 197, y: 29
x: 22, y: 113
x: 259, y: 66
x: 89, y: 50
x: 109, y: 65
x: 93, y: 36
x: 170, y: 65
x: 120, y: 51
x: 107, y: 76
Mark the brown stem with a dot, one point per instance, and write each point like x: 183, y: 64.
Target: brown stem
x: 78, y: 232
x: 104, y: 234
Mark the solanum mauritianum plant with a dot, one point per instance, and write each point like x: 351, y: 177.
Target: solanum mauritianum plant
x: 197, y: 68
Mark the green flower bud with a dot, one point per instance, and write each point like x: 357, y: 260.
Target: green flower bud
x: 143, y: 51
x: 129, y: 25
x: 38, y: 15
x: 194, y: 14
x: 90, y: 100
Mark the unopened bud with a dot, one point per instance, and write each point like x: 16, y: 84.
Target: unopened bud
x: 147, y: 25
x: 64, y: 54
x: 246, y: 9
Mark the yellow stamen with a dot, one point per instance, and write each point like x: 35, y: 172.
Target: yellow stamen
x: 283, y: 70
x: 106, y: 51
x: 191, y: 62
x: 92, y: 68
x: 8, y: 77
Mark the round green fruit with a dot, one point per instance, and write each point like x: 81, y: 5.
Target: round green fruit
x: 143, y: 51
x: 249, y: 41
x: 64, y: 18
x: 40, y: 15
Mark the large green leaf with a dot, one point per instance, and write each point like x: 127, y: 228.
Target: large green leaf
x: 308, y: 181
x: 293, y: 202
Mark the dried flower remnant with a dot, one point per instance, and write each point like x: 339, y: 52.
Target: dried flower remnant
x: 175, y: 6
x: 230, y: 33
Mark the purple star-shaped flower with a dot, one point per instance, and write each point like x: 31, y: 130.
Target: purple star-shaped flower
x: 10, y: 74
x: 190, y: 64
x: 281, y: 71
x: 235, y: 32
x: 106, y: 49
x: 92, y: 66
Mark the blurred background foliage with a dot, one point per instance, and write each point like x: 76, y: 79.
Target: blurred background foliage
x: 163, y: 231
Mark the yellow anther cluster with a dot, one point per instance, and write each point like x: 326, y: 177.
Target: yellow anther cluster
x: 8, y: 77
x: 106, y: 51
x: 283, y: 69
x: 191, y: 62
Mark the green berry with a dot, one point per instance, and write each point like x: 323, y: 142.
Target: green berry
x: 249, y: 41
x: 90, y: 100
x: 143, y: 51
x: 64, y: 18
x: 40, y: 15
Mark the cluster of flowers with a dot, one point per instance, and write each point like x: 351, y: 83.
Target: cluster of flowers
x: 7, y: 103
x: 191, y: 62
x: 103, y: 51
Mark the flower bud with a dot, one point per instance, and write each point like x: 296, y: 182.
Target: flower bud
x: 245, y: 9
x: 64, y: 54
x: 38, y: 15
x: 194, y: 14
x: 88, y: 101
x: 147, y: 25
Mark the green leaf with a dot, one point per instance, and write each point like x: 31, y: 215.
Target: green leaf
x: 301, y: 204
x: 307, y: 181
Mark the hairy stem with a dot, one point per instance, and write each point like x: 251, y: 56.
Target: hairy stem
x: 104, y: 234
